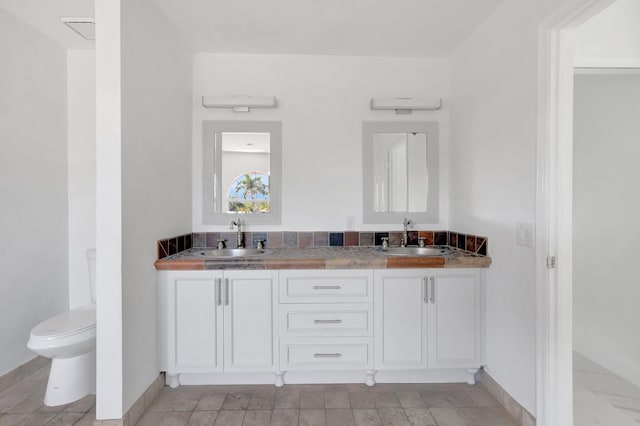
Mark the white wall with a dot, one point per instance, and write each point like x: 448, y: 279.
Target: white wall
x: 156, y: 175
x: 143, y: 97
x: 606, y: 284
x: 33, y: 186
x: 611, y: 38
x: 109, y: 398
x: 322, y: 102
x: 493, y: 177
x: 81, y: 119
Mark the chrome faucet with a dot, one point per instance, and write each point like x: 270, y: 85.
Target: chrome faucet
x: 239, y: 239
x: 407, y: 223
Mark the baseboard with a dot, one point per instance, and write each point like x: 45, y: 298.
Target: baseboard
x: 522, y: 416
x: 602, y: 353
x: 118, y: 422
x: 146, y: 399
x: 14, y: 376
x: 138, y: 408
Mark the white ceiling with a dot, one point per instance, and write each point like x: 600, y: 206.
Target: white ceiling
x: 328, y: 27
x: 432, y: 28
x: 246, y: 142
x: 44, y: 16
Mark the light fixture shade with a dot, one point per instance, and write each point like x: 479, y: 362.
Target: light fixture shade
x: 239, y: 103
x: 406, y: 105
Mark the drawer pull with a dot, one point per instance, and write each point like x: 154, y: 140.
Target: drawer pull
x: 433, y: 290
x: 327, y: 321
x: 218, y: 291
x: 327, y: 355
x: 425, y: 290
x: 327, y: 287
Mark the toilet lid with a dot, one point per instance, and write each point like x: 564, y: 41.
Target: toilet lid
x: 66, y: 324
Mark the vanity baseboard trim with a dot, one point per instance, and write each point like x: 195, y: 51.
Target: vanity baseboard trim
x: 258, y: 378
x: 324, y: 377
x: 330, y: 376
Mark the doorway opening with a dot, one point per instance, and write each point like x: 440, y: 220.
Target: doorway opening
x: 555, y: 212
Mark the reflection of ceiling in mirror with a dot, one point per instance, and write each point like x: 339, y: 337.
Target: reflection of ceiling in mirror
x: 246, y: 142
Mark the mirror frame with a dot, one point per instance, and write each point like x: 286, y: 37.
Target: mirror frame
x: 369, y: 128
x: 210, y: 171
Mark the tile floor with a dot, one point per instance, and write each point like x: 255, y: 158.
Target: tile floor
x: 602, y: 398
x: 22, y: 405
x: 331, y: 405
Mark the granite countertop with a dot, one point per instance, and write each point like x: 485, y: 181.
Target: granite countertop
x: 323, y: 258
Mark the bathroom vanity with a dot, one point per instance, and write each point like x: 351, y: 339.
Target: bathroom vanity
x: 333, y: 315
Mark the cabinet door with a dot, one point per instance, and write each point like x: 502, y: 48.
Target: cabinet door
x: 249, y: 299
x: 454, y: 319
x: 400, y: 320
x: 197, y: 339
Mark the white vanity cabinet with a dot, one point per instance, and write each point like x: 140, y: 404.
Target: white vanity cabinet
x: 217, y: 322
x: 326, y: 325
x: 321, y: 326
x: 427, y: 320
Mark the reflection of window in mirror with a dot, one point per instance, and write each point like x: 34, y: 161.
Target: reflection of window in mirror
x: 400, y: 172
x: 242, y: 171
x: 249, y: 193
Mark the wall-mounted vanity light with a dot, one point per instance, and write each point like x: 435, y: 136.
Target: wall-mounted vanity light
x: 407, y: 105
x: 239, y: 103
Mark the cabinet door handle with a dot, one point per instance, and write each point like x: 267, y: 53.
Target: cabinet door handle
x: 226, y: 291
x: 433, y: 290
x: 425, y: 290
x: 218, y: 289
x: 327, y: 321
x: 327, y: 287
x: 327, y: 355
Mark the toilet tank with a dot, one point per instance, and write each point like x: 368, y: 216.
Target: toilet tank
x: 91, y: 260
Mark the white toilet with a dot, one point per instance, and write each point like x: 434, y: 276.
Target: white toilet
x: 69, y: 339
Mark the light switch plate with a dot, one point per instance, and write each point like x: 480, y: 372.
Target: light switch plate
x: 525, y: 234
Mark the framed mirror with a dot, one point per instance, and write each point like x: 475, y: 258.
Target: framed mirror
x: 400, y: 172
x: 242, y: 171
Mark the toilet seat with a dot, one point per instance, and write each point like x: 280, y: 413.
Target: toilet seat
x: 67, y: 324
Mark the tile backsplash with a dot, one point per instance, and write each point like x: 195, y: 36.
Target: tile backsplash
x: 303, y: 239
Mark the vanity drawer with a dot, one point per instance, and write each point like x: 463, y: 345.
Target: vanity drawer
x: 326, y: 353
x: 320, y: 286
x: 326, y: 320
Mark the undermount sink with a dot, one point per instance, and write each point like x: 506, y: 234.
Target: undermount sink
x: 418, y: 251
x: 237, y: 252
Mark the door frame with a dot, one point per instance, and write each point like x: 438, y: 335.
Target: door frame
x: 554, y: 215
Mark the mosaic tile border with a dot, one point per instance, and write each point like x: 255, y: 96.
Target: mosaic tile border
x: 304, y: 239
x: 174, y: 245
